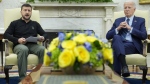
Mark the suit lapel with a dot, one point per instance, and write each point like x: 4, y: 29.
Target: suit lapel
x: 134, y: 21
x: 122, y: 19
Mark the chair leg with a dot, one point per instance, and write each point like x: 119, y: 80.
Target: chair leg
x: 6, y: 71
x: 132, y: 68
x: 136, y: 68
x: 144, y: 75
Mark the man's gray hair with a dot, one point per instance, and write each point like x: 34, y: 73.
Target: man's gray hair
x: 132, y: 2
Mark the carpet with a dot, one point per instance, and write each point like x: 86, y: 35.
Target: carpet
x: 13, y: 75
x: 136, y: 78
x: 13, y: 80
x: 136, y: 81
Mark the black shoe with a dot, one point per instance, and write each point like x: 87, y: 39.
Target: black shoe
x: 125, y: 71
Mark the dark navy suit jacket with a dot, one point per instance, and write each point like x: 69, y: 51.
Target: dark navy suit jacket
x: 138, y: 33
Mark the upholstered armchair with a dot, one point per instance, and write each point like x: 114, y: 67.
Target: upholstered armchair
x: 138, y: 59
x: 10, y: 57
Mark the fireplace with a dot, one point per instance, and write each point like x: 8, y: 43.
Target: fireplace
x: 80, y: 16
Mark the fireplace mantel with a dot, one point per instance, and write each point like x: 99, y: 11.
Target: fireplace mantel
x: 56, y: 4
x: 99, y: 16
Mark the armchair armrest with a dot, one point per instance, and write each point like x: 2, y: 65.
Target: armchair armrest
x: 46, y: 43
x: 145, y: 42
x: 6, y: 43
x: 144, y: 46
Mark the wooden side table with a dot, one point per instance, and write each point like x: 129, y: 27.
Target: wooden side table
x: 1, y: 49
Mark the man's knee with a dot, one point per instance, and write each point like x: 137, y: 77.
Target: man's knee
x: 116, y: 37
x: 21, y: 48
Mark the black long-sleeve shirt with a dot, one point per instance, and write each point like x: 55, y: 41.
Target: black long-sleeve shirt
x: 19, y: 28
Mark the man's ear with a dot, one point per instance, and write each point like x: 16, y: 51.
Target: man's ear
x: 134, y: 9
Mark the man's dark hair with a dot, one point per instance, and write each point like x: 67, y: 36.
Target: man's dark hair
x: 26, y: 5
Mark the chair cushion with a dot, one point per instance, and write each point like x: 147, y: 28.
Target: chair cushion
x: 136, y: 59
x: 12, y: 59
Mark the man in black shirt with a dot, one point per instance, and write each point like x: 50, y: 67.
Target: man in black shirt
x: 18, y: 31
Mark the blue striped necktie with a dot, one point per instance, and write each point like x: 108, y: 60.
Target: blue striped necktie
x: 128, y: 21
x: 124, y: 31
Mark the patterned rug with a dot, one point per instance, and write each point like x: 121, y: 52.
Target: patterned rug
x: 12, y: 73
x: 138, y: 76
x: 135, y: 78
x: 13, y: 77
x: 136, y: 81
x: 12, y: 80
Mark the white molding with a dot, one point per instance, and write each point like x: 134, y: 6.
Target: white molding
x: 1, y: 30
x: 56, y: 4
x: 148, y: 31
x: 23, y: 1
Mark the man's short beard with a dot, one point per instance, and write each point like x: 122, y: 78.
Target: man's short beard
x: 26, y: 18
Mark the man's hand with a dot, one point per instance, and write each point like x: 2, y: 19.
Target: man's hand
x: 41, y: 38
x: 22, y: 40
x: 128, y: 27
x: 123, y: 25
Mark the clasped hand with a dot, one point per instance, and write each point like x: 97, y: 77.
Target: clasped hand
x: 123, y: 25
x: 22, y: 40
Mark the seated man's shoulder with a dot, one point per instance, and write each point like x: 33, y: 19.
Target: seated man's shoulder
x: 15, y: 21
x: 141, y: 18
x: 118, y: 19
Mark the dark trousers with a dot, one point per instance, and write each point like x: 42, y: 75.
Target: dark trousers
x: 23, y: 51
x: 121, y: 47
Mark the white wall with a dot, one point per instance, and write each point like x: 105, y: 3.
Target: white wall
x: 138, y: 6
x: 6, y: 4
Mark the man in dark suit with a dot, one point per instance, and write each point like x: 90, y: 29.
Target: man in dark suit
x: 127, y: 33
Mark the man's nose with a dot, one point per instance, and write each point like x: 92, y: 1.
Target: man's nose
x: 127, y: 8
x: 27, y: 11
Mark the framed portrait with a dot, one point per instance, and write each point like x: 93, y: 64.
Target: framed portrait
x: 144, y: 1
